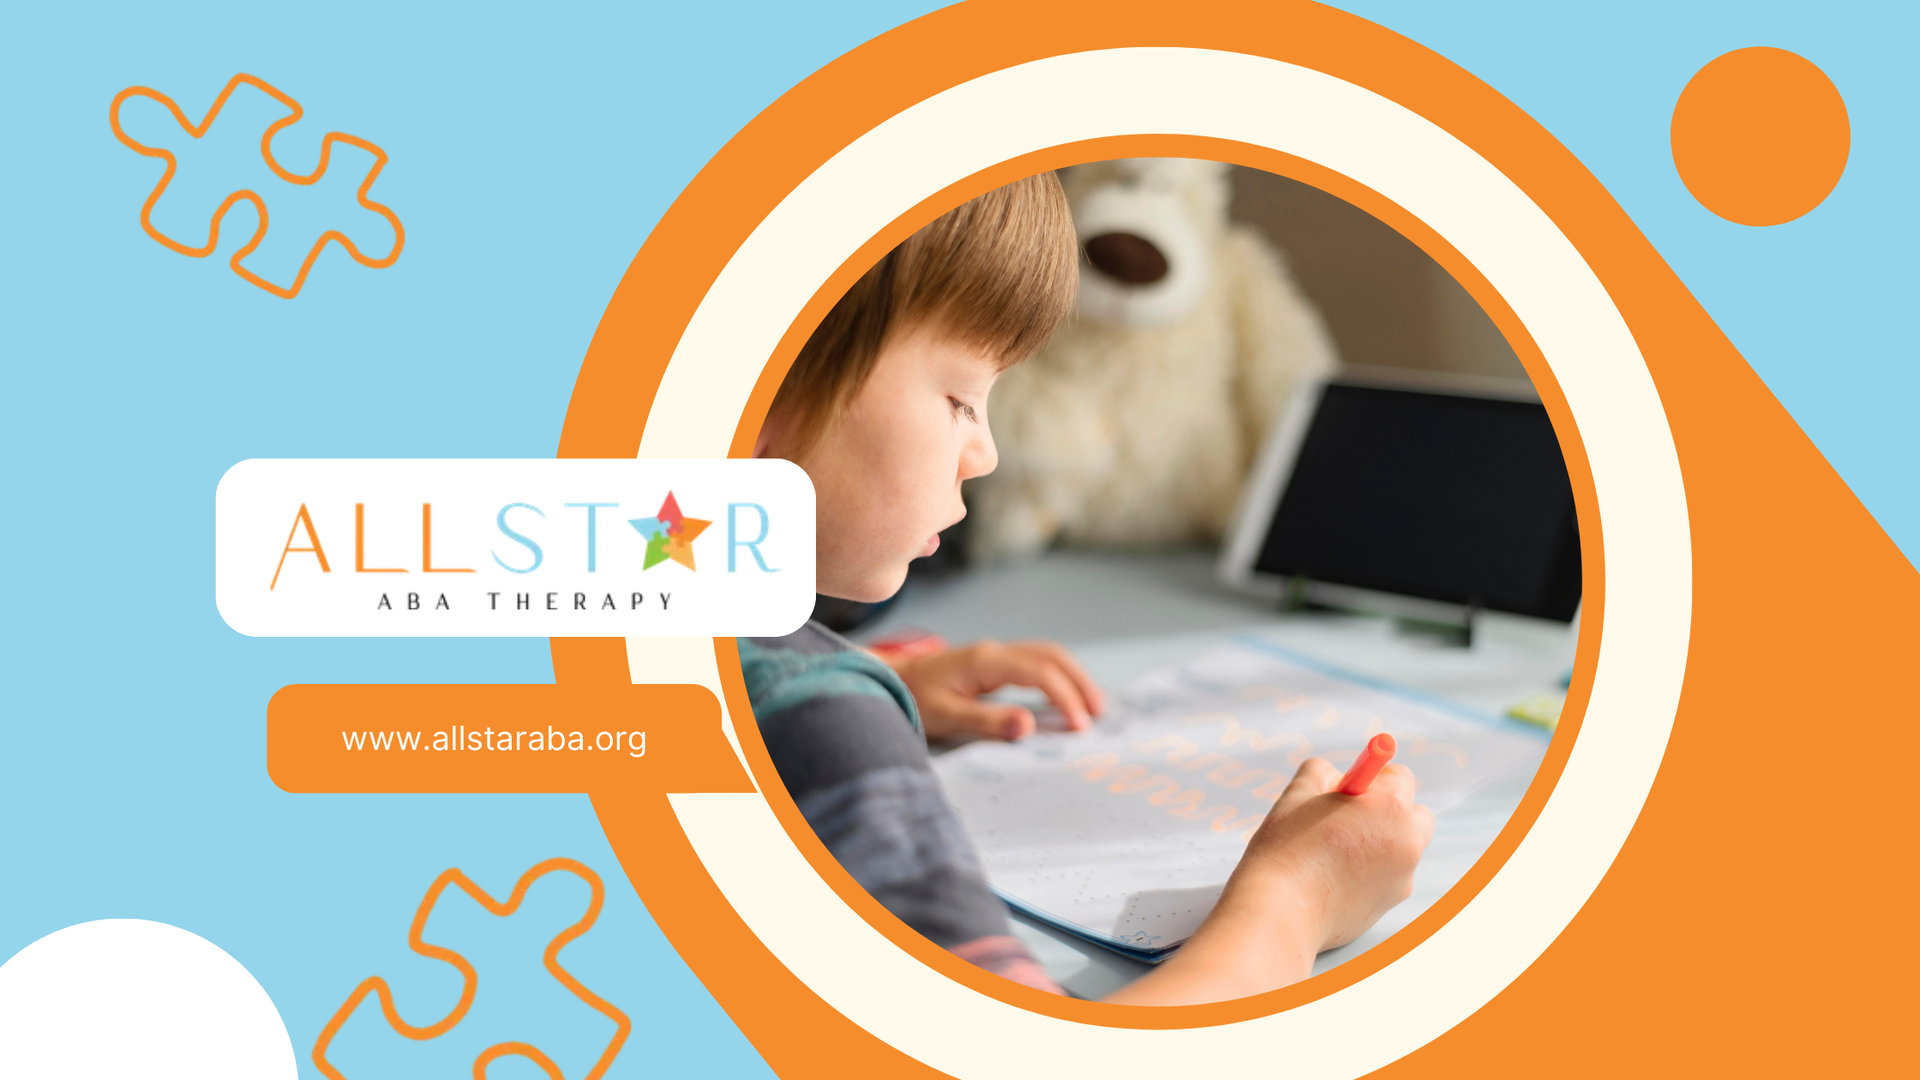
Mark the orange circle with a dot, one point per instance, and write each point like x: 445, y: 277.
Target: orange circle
x: 1760, y: 136
x: 1728, y: 430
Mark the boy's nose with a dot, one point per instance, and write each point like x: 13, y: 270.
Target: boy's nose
x: 979, y: 456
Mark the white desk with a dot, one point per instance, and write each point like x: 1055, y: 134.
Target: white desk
x: 1126, y: 614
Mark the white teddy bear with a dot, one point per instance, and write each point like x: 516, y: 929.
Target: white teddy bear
x: 1134, y: 427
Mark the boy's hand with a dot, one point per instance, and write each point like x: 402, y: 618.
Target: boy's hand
x: 1353, y: 854
x: 1320, y: 870
x: 947, y: 686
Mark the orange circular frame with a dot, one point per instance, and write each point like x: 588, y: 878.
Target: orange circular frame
x: 1725, y: 426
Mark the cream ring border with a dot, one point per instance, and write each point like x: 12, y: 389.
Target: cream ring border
x: 1636, y: 473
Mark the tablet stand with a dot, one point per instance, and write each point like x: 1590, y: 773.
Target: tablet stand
x: 1459, y: 633
x: 1452, y: 623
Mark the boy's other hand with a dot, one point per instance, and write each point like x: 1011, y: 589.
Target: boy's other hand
x: 947, y: 686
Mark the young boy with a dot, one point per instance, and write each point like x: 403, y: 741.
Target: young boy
x: 886, y: 410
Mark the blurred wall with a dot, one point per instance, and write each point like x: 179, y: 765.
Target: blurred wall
x: 1385, y: 301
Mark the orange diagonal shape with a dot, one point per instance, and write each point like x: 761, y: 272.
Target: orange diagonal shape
x: 471, y: 980
x: 266, y: 153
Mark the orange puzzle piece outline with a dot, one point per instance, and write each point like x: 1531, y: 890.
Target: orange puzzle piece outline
x: 470, y: 979
x: 259, y: 204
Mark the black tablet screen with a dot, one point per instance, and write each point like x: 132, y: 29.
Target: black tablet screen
x: 1446, y: 497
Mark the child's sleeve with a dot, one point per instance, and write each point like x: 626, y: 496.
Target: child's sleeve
x: 858, y: 771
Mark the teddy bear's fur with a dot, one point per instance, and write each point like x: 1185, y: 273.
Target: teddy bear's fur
x: 1135, y: 425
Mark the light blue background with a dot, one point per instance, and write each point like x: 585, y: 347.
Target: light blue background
x: 531, y: 152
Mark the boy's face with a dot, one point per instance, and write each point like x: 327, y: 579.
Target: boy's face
x: 888, y: 472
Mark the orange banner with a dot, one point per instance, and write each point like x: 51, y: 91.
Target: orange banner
x: 633, y: 740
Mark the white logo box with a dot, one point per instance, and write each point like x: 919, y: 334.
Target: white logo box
x: 419, y: 548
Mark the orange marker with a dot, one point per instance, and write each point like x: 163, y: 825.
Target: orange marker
x: 1359, y: 778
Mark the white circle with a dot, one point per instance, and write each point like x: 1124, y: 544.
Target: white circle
x: 122, y: 998
x: 1535, y: 268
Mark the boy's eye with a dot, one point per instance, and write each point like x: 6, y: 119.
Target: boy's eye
x: 961, y: 408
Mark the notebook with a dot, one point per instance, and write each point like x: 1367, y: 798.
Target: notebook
x: 1124, y: 835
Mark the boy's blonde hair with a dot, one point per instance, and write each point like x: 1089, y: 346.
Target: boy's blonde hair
x: 999, y: 272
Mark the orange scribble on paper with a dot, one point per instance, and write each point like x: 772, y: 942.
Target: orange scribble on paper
x: 1283, y: 700
x: 1185, y: 803
x: 470, y: 979
x: 1420, y: 746
x: 259, y: 203
x: 1259, y: 741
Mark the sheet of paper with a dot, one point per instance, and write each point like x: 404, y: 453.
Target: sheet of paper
x: 1127, y: 833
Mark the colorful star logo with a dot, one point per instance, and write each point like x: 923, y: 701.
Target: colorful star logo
x: 669, y: 535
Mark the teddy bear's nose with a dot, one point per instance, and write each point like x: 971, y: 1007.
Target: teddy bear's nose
x: 1127, y: 257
